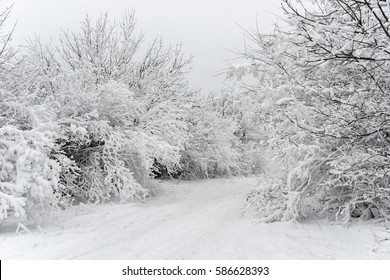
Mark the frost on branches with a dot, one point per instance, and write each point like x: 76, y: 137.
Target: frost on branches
x: 323, y: 100
x: 29, y: 177
x: 213, y: 149
x: 87, y: 121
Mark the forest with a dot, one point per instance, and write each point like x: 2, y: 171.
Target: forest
x: 103, y: 116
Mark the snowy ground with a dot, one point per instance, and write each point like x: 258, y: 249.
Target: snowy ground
x: 191, y: 220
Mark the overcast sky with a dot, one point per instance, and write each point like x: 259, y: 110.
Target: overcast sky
x: 205, y: 27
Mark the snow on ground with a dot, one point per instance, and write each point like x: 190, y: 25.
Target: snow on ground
x: 191, y: 220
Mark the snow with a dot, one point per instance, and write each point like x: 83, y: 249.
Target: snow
x: 284, y: 100
x: 190, y: 220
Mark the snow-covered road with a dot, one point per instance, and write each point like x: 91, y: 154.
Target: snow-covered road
x: 191, y: 220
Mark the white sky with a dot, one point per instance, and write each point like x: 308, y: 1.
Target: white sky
x: 205, y: 27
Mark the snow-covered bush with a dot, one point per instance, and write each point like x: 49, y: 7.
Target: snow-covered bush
x: 323, y: 86
x: 28, y: 177
x: 212, y: 149
x: 243, y: 108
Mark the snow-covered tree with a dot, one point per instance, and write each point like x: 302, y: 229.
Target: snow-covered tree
x: 28, y: 176
x: 213, y: 148
x: 242, y: 107
x: 164, y: 123
x: 99, y: 121
x: 7, y: 53
x: 323, y: 90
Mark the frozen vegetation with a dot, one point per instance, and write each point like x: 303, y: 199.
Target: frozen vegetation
x: 89, y: 127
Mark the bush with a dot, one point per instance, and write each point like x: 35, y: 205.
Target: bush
x: 29, y: 178
x: 212, y: 149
